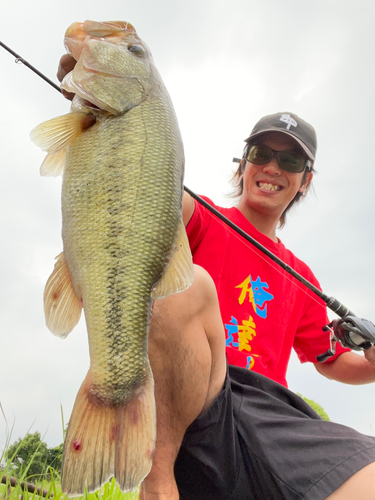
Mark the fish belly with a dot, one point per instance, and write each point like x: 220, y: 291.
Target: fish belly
x: 121, y: 205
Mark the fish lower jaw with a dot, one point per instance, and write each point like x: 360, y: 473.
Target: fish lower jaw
x: 89, y: 104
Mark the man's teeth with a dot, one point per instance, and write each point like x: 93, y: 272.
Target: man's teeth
x: 269, y: 187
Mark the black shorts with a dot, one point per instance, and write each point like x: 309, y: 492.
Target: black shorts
x: 260, y: 441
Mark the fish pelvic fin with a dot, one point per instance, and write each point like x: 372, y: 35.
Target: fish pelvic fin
x: 109, y: 441
x: 179, y: 274
x: 53, y: 164
x: 62, y: 307
x: 56, y: 135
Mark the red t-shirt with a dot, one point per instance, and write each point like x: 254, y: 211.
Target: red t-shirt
x: 266, y: 312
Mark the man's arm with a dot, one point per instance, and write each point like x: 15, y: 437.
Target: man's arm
x: 187, y: 208
x: 350, y: 368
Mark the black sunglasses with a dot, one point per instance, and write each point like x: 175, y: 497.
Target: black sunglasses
x: 290, y: 161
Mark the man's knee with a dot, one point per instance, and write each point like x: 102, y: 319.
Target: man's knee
x: 190, y: 321
x: 187, y: 336
x: 361, y: 485
x: 184, y: 307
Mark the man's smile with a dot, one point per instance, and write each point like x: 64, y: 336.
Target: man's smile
x: 269, y: 186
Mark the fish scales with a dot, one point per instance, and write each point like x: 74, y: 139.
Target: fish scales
x: 124, y: 244
x: 132, y: 235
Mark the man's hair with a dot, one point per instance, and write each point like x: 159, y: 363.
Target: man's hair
x: 237, y: 182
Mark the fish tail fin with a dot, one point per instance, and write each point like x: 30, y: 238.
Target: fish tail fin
x: 135, y: 441
x: 108, y: 441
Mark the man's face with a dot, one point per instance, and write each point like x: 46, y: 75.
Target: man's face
x: 267, y: 189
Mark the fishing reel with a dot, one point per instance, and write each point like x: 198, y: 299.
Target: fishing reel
x: 356, y: 333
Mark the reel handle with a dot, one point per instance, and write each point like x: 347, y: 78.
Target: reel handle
x: 356, y: 333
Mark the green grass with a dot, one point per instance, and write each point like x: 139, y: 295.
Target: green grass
x: 108, y: 492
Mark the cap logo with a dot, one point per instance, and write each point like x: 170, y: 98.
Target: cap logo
x: 289, y: 120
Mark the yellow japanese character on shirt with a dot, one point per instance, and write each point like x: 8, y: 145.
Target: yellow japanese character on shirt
x: 246, y: 332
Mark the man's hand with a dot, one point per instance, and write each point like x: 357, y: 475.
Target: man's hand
x: 66, y: 65
x: 370, y: 355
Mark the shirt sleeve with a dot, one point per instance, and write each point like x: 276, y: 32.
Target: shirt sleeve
x: 198, y: 224
x: 310, y: 339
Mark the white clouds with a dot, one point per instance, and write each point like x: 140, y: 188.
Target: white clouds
x: 211, y: 101
x: 226, y: 64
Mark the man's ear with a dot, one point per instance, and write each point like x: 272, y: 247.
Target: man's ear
x: 306, y: 182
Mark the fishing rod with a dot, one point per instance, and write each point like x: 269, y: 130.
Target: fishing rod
x: 353, y: 332
x: 20, y: 59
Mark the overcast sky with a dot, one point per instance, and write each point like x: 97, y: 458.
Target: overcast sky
x: 226, y: 63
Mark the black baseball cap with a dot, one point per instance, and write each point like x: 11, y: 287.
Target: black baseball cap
x: 290, y: 124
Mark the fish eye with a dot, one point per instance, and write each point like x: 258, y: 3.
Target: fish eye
x: 136, y: 49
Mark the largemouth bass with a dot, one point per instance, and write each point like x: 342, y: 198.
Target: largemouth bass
x: 121, y: 156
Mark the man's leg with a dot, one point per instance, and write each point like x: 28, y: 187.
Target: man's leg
x: 360, y: 486
x: 187, y: 356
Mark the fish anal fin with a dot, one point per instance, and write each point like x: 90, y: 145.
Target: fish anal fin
x: 62, y: 307
x: 53, y: 164
x: 179, y: 274
x: 105, y: 441
x: 56, y: 134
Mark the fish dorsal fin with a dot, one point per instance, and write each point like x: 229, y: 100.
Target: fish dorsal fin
x: 53, y: 164
x: 62, y: 307
x: 179, y: 274
x: 56, y: 134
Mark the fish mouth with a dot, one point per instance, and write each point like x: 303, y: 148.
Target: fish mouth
x: 95, y: 47
x: 99, y: 29
x: 76, y: 34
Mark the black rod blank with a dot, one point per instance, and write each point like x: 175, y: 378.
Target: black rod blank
x: 23, y: 61
x: 331, y: 302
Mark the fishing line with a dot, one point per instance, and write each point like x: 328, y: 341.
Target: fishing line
x: 331, y: 302
x: 356, y: 333
x: 350, y: 331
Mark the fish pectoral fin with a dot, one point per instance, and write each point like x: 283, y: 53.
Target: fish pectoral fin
x: 56, y: 134
x: 62, y: 307
x: 179, y: 274
x: 53, y: 164
x: 109, y: 440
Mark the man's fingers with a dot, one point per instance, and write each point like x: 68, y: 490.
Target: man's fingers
x: 370, y: 355
x: 68, y: 95
x: 66, y: 65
